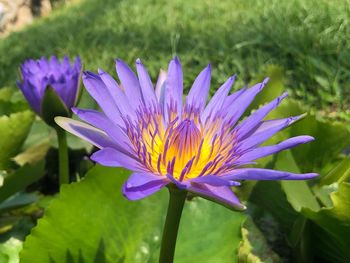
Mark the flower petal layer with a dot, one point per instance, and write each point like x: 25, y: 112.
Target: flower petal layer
x: 140, y: 185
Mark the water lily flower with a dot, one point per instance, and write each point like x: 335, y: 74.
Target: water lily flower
x: 197, y: 146
x: 43, y: 75
x: 51, y: 88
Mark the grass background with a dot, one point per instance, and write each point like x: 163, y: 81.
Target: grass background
x: 309, y: 39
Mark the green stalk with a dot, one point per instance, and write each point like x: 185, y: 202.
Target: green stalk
x: 176, y: 203
x: 62, y: 156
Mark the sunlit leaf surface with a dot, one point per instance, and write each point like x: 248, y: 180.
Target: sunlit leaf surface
x: 92, y: 222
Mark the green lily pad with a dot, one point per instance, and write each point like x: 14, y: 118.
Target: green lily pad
x: 9, y: 250
x: 21, y: 178
x: 92, y: 222
x: 13, y: 131
x: 254, y: 248
x: 335, y: 221
x: 338, y: 174
x: 332, y: 220
x: 298, y: 193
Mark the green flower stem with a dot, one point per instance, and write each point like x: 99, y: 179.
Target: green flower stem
x: 171, y: 226
x: 62, y: 156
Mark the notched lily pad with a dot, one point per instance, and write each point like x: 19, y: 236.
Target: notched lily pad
x: 253, y: 247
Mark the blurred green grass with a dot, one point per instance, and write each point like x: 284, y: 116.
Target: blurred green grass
x: 309, y: 39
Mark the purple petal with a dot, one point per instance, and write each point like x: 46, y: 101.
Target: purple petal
x: 100, y: 121
x: 179, y: 184
x: 231, y: 99
x: 98, y: 90
x: 268, y: 150
x: 140, y: 185
x: 173, y: 88
x: 147, y: 89
x: 77, y: 64
x: 67, y: 89
x: 214, y: 180
x: 266, y: 174
x: 216, y: 103
x: 33, y: 100
x: 236, y: 109
x: 269, y: 124
x: 160, y: 83
x: 86, y: 132
x: 258, y: 138
x: 119, y: 98
x: 54, y: 62
x: 254, y: 119
x: 43, y: 64
x: 130, y: 83
x: 219, y: 194
x: 65, y: 62
x: 198, y: 94
x: 114, y: 158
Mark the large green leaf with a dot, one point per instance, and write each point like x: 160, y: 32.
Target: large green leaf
x: 92, y: 222
x: 332, y: 221
x: 298, y: 193
x: 13, y: 131
x: 336, y: 221
x: 20, y: 179
x: 338, y: 174
x: 254, y: 248
x: 11, y: 101
x: 10, y: 249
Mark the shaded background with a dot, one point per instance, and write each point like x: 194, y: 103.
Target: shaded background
x: 308, y: 39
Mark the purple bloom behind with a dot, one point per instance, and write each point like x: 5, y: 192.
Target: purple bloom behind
x: 198, y: 146
x: 63, y: 77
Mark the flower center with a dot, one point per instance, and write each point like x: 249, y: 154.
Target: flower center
x: 183, y: 149
x: 183, y: 142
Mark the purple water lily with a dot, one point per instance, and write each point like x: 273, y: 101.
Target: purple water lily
x: 195, y: 145
x: 63, y: 77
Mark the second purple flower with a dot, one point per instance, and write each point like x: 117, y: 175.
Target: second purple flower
x: 39, y: 75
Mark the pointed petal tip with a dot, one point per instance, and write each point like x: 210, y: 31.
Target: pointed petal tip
x: 61, y: 121
x: 307, y: 138
x: 87, y: 74
x: 75, y: 110
x: 100, y: 71
x: 120, y: 62
x: 297, y: 118
x: 176, y: 60
x: 308, y: 176
x: 95, y: 157
x: 280, y: 98
x: 77, y: 58
x: 239, y: 207
x: 266, y: 80
x: 284, y: 94
x: 138, y: 61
